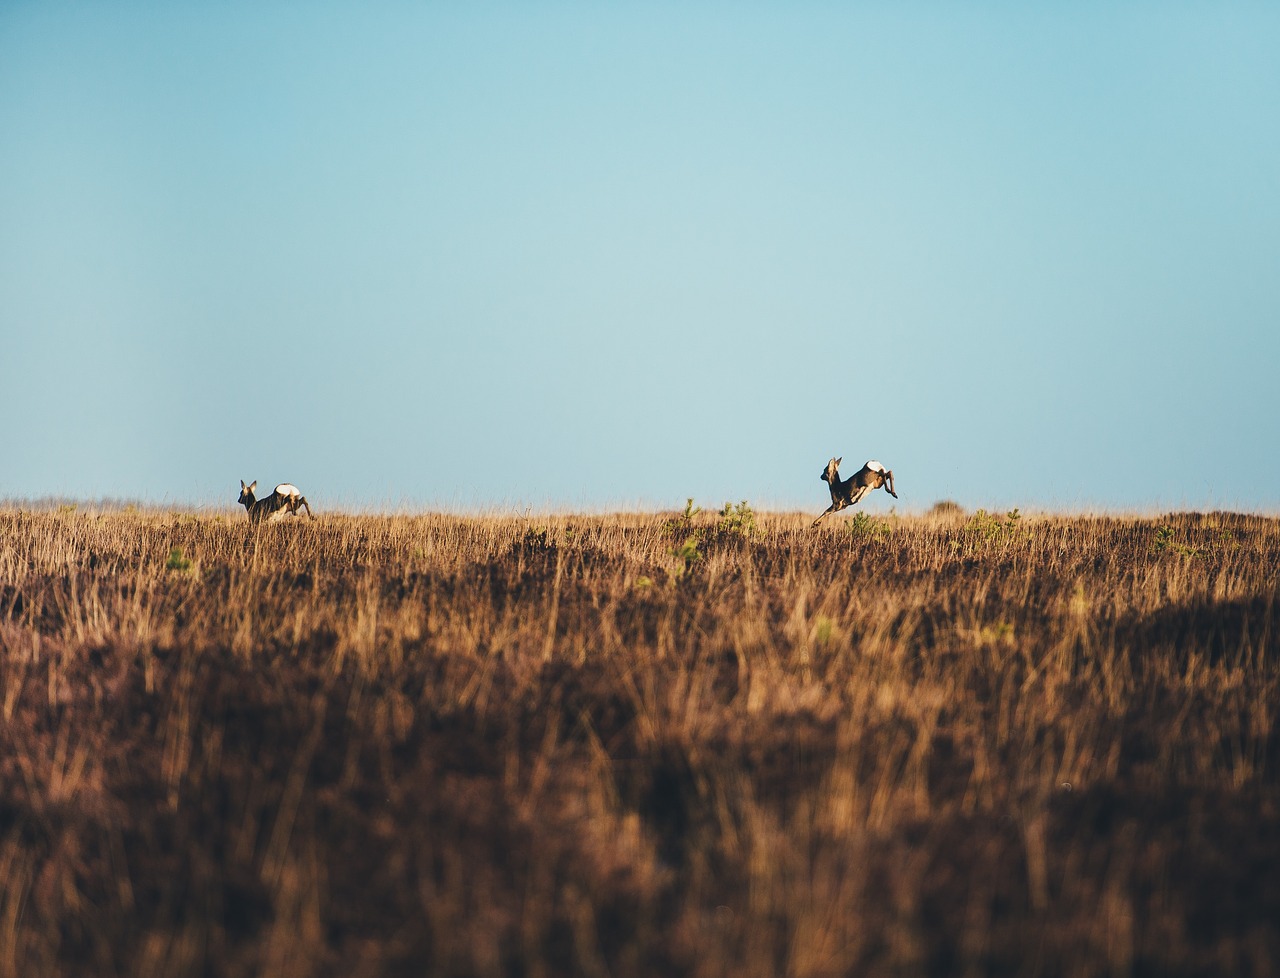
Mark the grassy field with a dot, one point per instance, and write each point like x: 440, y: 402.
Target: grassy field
x: 711, y: 744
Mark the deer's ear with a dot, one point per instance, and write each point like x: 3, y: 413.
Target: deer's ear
x: 242, y: 485
x: 253, y: 485
x: 839, y: 460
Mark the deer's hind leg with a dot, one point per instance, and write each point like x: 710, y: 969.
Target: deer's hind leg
x: 302, y: 501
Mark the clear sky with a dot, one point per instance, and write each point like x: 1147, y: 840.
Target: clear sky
x: 601, y: 255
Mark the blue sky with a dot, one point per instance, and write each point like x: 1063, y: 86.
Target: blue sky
x: 610, y: 255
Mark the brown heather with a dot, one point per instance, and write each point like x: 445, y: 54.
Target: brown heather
x: 496, y: 746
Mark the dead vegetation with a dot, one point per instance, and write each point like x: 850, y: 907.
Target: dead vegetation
x: 638, y: 745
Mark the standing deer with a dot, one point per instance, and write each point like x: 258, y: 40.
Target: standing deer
x: 285, y: 496
x: 873, y: 475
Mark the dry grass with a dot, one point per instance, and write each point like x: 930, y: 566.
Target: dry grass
x: 436, y: 745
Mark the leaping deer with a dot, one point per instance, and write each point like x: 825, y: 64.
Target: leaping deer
x: 873, y: 475
x: 285, y: 496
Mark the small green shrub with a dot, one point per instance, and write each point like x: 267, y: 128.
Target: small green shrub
x: 863, y: 525
x: 1164, y: 543
x: 689, y: 554
x: 989, y: 527
x: 683, y: 524
x: 737, y: 519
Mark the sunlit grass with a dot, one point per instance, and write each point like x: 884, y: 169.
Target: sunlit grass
x: 687, y: 744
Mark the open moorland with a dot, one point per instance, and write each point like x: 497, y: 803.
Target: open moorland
x: 694, y: 744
